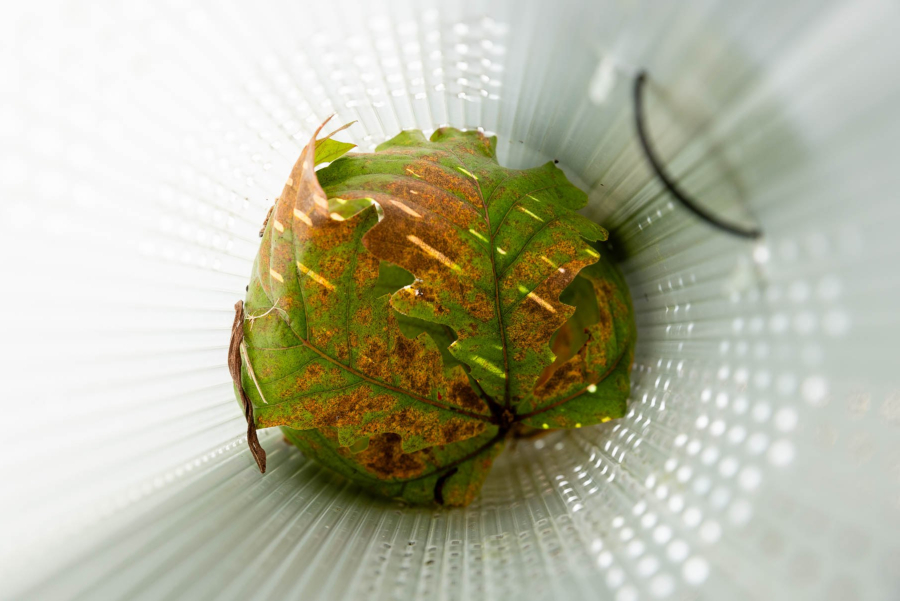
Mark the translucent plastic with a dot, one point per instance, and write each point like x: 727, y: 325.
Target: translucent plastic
x: 141, y: 144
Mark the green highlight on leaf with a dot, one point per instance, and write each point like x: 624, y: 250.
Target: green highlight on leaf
x: 412, y: 308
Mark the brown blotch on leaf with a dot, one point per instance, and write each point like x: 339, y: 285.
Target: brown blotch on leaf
x: 561, y: 346
x: 416, y: 363
x: 311, y: 376
x: 366, y: 273
x: 457, y: 272
x: 384, y: 457
x: 322, y: 337
x: 428, y: 425
x: 351, y: 408
x: 446, y: 178
x: 421, y: 295
x: 530, y: 327
x: 540, y: 313
x: 461, y: 394
x: 371, y: 357
x: 357, y: 406
x: 332, y: 233
x: 566, y: 376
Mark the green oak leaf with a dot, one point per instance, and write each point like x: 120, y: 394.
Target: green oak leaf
x: 409, y: 307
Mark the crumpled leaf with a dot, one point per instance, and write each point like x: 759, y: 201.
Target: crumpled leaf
x: 327, y: 149
x: 402, y: 311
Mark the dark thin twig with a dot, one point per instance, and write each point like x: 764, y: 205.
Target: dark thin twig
x: 439, y: 486
x: 495, y: 408
x: 667, y: 181
x: 501, y: 434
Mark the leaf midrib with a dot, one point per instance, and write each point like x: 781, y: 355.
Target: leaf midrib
x: 507, y: 401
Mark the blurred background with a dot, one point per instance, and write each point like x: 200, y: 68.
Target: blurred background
x: 141, y: 144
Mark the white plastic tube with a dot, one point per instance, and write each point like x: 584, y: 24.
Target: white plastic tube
x: 141, y: 144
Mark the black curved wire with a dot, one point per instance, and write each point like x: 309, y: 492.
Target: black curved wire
x: 670, y: 185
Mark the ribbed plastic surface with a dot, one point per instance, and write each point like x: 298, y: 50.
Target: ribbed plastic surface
x: 143, y: 142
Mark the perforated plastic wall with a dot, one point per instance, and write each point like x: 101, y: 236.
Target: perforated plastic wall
x: 141, y: 144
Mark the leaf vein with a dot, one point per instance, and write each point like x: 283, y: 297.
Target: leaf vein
x: 524, y: 246
x: 515, y: 203
x: 507, y: 401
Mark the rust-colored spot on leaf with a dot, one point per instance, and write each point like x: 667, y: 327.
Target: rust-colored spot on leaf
x: 385, y: 459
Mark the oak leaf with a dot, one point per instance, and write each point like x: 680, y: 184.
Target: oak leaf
x: 409, y: 307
